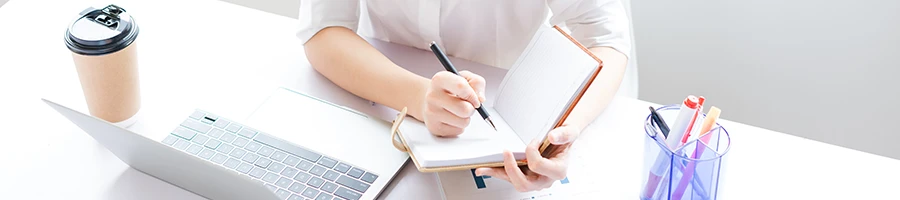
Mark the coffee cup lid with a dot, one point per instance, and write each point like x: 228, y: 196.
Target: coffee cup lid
x: 101, y: 31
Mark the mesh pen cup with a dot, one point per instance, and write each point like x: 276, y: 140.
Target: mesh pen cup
x: 690, y: 171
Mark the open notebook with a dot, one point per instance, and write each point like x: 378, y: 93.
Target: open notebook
x: 535, y: 96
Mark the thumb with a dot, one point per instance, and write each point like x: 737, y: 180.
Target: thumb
x: 562, y: 135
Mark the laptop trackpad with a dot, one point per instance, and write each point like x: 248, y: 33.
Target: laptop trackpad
x: 332, y: 130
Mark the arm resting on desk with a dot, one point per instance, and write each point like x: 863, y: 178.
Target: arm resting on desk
x: 601, y: 91
x: 350, y: 62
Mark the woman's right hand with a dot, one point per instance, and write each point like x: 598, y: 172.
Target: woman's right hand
x: 450, y: 101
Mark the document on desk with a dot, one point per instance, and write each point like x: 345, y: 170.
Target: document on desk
x: 579, y: 184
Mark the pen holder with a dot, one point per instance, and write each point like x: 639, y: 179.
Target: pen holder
x: 691, y: 171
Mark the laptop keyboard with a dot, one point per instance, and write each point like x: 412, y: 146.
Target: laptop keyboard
x: 290, y: 171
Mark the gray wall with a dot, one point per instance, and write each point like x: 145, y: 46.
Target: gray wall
x: 288, y: 8
x: 824, y: 70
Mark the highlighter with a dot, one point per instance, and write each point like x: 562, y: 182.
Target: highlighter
x: 689, y: 107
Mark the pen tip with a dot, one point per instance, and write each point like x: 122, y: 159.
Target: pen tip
x: 433, y: 43
x: 491, y: 123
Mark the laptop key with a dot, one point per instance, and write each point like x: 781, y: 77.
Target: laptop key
x: 225, y: 148
x: 297, y: 187
x: 257, y: 172
x: 270, y: 177
x: 304, y: 165
x: 184, y: 133
x: 291, y: 160
x: 278, y: 156
x: 275, y: 167
x: 263, y: 162
x: 327, y: 162
x: 200, y: 139
x: 197, y: 114
x: 250, y: 158
x: 170, y: 140
x: 244, y: 168
x: 207, y: 154
x: 237, y: 153
x: 216, y: 133
x: 352, y: 184
x: 221, y: 123
x: 265, y: 151
x: 331, y: 175
x: 195, y: 125
x: 182, y: 144
x: 219, y: 158
x: 323, y: 196
x: 284, y: 182
x: 355, y: 172
x: 232, y: 163
x: 227, y: 138
x: 212, y: 144
x: 207, y: 120
x: 347, y: 194
x: 253, y: 146
x: 369, y: 177
x: 315, y: 182
x: 302, y: 177
x: 289, y: 171
x: 317, y: 170
x: 233, y: 127
x: 211, y: 116
x: 282, y: 194
x: 342, y: 167
x: 240, y: 142
x: 295, y: 197
x: 310, y: 193
x: 329, y: 187
x: 247, y: 132
x: 287, y: 147
x: 194, y: 149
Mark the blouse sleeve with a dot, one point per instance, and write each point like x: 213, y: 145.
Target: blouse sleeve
x: 316, y: 15
x: 594, y: 23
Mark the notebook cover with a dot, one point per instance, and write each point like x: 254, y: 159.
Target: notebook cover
x: 545, y: 148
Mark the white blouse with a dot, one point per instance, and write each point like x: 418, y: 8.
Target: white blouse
x: 491, y: 32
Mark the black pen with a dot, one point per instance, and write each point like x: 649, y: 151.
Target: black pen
x: 449, y: 67
x: 659, y: 122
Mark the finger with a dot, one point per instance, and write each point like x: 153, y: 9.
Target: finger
x: 441, y: 129
x: 454, y: 105
x: 516, y: 177
x: 494, y: 172
x: 541, y: 165
x: 457, y: 86
x: 439, y: 114
x: 562, y: 135
x: 477, y: 82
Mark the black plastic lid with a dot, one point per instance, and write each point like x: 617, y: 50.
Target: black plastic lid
x: 101, y: 31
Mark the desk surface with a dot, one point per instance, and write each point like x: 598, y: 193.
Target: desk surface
x: 229, y: 61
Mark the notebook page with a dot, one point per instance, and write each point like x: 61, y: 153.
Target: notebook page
x: 543, y: 81
x: 478, y: 143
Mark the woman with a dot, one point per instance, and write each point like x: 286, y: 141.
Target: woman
x: 488, y: 32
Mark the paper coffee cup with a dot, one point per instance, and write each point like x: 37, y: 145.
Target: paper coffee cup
x: 104, y: 50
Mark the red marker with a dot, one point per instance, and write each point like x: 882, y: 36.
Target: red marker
x: 687, y: 133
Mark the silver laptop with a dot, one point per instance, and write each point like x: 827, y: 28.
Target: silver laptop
x: 326, y: 152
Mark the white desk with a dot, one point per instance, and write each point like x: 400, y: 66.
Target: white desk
x: 235, y: 50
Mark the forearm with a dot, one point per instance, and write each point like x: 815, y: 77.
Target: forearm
x: 602, y: 90
x: 346, y: 59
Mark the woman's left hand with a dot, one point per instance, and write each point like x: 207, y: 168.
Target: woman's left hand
x: 540, y: 172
